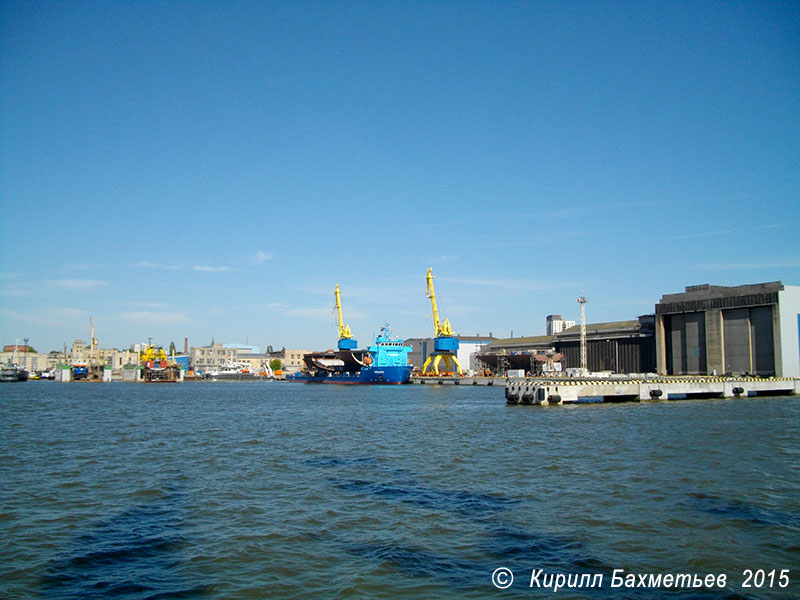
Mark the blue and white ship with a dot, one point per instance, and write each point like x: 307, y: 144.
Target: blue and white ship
x: 384, y: 362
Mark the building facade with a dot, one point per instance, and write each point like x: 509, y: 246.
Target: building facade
x: 747, y: 329
x: 556, y: 324
x: 211, y: 357
x: 291, y: 360
x: 616, y: 347
x: 33, y: 362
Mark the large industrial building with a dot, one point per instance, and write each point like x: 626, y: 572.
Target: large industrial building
x: 752, y: 329
x: 618, y: 347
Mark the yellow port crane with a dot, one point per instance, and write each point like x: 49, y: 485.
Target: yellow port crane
x: 152, y: 355
x: 346, y: 341
x: 445, y: 344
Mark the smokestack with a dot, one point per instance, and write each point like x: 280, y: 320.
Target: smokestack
x: 186, y: 345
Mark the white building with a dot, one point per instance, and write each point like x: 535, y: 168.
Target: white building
x: 556, y: 324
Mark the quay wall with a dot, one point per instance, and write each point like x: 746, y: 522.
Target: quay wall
x: 539, y: 391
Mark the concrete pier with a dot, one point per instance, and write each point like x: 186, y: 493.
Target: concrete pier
x: 443, y: 380
x: 560, y: 391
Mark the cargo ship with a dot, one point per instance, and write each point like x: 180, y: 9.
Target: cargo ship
x: 385, y: 362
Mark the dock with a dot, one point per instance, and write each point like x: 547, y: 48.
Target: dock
x: 451, y: 380
x: 520, y: 390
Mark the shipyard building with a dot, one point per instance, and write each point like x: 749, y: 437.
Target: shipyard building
x: 746, y: 329
x: 617, y: 347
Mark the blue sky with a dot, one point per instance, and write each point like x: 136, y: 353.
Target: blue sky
x: 214, y: 169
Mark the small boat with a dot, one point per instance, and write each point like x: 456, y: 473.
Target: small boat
x: 11, y: 372
x: 237, y: 371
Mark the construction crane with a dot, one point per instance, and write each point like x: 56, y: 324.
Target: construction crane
x: 445, y: 344
x: 92, y: 342
x: 346, y: 341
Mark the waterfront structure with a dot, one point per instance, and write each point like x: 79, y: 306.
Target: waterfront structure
x: 556, y: 324
x: 713, y: 329
x: 35, y: 362
x: 522, y: 390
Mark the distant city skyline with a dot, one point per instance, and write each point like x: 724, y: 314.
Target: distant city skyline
x: 214, y: 170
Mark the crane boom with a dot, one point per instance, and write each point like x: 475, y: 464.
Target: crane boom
x: 439, y: 328
x: 91, y: 342
x: 344, y: 330
x: 432, y: 295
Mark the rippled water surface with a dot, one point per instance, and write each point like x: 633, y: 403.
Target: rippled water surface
x: 249, y: 490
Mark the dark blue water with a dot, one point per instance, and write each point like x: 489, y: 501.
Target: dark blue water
x: 254, y: 490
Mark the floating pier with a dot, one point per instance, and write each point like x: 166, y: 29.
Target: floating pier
x: 520, y: 390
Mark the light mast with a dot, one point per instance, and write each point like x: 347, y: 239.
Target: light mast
x: 582, y: 301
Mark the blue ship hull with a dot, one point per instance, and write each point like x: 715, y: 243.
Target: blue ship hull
x: 80, y: 372
x: 390, y: 375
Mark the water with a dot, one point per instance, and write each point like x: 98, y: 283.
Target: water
x: 250, y: 490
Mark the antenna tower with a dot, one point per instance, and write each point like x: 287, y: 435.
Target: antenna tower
x: 582, y: 301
